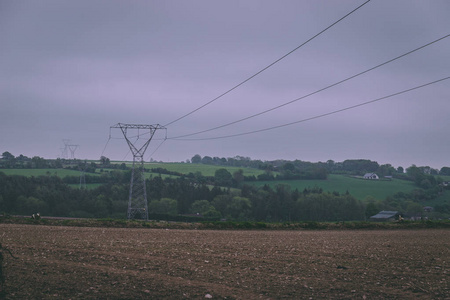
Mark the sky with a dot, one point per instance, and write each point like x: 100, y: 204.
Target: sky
x: 69, y: 70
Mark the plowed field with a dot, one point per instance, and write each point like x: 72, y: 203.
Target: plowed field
x: 119, y: 263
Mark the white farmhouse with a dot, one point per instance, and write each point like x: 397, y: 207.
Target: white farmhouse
x: 372, y: 176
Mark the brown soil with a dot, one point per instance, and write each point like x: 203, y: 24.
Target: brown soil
x: 124, y: 263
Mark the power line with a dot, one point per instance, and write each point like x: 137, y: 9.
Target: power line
x: 163, y: 140
x: 313, y: 93
x: 318, y: 116
x: 157, y: 148
x: 267, y: 67
x: 125, y: 157
x: 107, y: 142
x: 104, y: 149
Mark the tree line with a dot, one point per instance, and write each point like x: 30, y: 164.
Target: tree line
x: 285, y: 169
x: 314, y: 170
x: 51, y: 196
x: 191, y: 194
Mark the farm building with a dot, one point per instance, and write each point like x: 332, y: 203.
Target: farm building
x: 385, y: 215
x: 372, y: 176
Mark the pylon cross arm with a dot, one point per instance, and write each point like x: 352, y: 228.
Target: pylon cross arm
x: 138, y: 126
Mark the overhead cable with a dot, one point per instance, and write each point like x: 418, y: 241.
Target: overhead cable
x: 267, y: 67
x: 316, y: 117
x: 313, y: 93
x: 157, y: 148
x: 104, y: 149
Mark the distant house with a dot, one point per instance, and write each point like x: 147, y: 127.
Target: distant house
x: 385, y: 216
x: 371, y: 176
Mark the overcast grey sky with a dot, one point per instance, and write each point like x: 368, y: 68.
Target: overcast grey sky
x: 72, y: 69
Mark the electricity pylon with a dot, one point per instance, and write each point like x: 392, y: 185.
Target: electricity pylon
x: 68, y: 147
x: 72, y: 149
x: 64, y: 151
x: 137, y: 200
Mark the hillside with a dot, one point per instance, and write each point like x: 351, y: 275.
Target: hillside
x: 38, y: 172
x: 233, y: 189
x: 206, y: 170
x: 359, y: 188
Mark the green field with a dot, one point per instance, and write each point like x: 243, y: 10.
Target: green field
x: 163, y: 176
x: 444, y: 178
x: 359, y: 188
x: 185, y: 168
x: 206, y: 170
x: 39, y: 172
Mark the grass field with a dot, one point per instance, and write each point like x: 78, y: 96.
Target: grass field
x: 359, y: 188
x: 125, y: 263
x: 379, y: 189
x: 39, y: 172
x: 206, y: 170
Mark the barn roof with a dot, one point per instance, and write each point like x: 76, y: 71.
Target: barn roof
x: 385, y: 214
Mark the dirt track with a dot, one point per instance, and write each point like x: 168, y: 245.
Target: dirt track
x: 107, y: 263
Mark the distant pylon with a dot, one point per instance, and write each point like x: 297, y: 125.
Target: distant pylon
x: 68, y: 147
x: 65, y: 150
x: 137, y: 200
x: 72, y: 149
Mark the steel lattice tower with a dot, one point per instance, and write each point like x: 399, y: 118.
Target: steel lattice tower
x: 72, y: 149
x: 64, y: 151
x: 137, y: 200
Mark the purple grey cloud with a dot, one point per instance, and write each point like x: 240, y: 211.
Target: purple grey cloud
x: 72, y: 69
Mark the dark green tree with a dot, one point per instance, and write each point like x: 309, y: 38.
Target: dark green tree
x: 163, y: 206
x: 8, y: 160
x: 239, y: 208
x: 38, y: 162
x: 223, y: 177
x: 104, y: 161
x: 221, y: 202
x: 371, y: 209
x: 445, y: 171
x: 205, y: 208
x: 207, y: 160
x: 238, y: 177
x: 7, y: 156
x: 196, y: 159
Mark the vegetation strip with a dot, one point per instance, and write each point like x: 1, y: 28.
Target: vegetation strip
x: 234, y: 189
x: 227, y: 225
